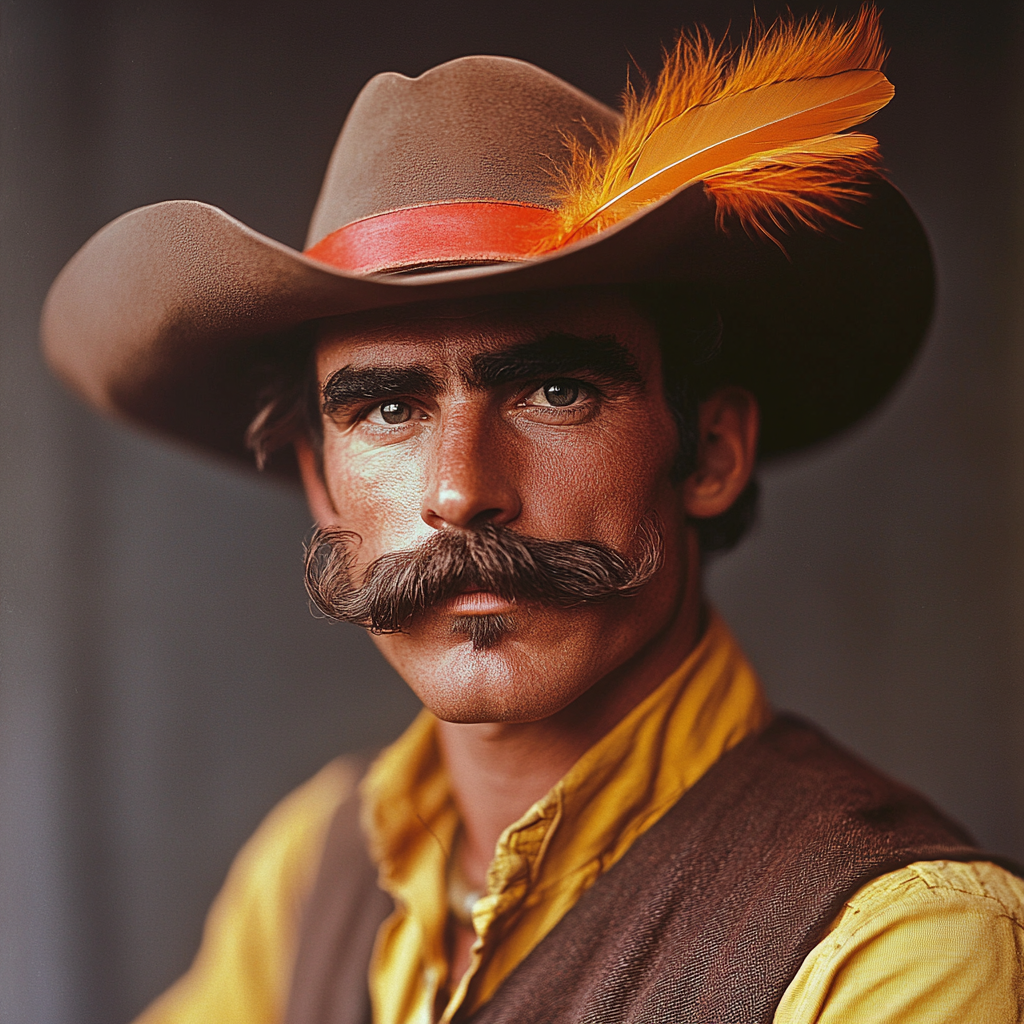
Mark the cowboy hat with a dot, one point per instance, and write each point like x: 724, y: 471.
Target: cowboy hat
x: 454, y: 185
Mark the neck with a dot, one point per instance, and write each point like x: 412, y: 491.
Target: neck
x: 498, y: 770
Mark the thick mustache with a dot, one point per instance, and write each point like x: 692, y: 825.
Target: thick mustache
x: 516, y: 567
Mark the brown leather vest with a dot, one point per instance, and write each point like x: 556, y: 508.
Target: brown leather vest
x: 706, y: 919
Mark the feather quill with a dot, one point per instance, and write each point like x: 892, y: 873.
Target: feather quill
x: 760, y: 127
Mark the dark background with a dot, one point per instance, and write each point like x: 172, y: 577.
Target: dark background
x: 161, y: 681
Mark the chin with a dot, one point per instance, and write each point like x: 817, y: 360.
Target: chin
x: 526, y: 667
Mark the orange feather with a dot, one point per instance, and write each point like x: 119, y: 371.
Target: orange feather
x: 809, y: 184
x: 758, y: 126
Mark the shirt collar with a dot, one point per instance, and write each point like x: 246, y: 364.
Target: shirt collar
x: 620, y: 787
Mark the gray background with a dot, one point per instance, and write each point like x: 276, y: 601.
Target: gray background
x: 161, y: 681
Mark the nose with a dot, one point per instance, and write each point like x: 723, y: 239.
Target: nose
x: 470, y: 478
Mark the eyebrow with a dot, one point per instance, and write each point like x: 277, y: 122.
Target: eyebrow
x: 349, y: 385
x: 555, y: 354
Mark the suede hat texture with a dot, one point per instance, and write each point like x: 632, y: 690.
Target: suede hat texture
x: 437, y: 190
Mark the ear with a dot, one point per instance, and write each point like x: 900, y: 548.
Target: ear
x: 726, y: 452
x: 317, y: 495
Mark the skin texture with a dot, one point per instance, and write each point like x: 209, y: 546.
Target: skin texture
x: 515, y: 717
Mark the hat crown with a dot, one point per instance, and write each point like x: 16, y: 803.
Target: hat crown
x: 476, y: 128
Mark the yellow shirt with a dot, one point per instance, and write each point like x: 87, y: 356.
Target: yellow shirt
x: 932, y: 942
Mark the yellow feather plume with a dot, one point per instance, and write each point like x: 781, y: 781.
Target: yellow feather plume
x: 759, y: 126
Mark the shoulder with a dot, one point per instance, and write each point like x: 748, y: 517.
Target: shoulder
x: 978, y: 885
x: 933, y: 941
x: 284, y: 851
x: 241, y: 970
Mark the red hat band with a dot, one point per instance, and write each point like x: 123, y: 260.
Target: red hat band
x: 438, y: 235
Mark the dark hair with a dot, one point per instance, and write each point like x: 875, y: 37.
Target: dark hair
x: 288, y: 398
x: 691, y: 333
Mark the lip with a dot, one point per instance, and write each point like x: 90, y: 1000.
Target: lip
x: 478, y: 602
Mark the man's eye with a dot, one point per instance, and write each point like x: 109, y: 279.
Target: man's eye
x: 558, y: 393
x: 394, y: 412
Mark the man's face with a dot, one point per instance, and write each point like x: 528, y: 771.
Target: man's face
x: 544, y: 415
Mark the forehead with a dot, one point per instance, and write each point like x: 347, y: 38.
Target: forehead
x: 449, y: 334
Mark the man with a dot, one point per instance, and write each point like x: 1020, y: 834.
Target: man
x: 522, y: 408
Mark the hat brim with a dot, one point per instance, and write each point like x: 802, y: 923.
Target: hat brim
x: 161, y: 315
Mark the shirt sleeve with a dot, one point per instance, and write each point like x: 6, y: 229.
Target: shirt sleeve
x: 242, y: 970
x: 936, y: 942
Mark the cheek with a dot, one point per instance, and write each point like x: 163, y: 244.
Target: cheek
x: 377, y: 495
x: 597, y: 486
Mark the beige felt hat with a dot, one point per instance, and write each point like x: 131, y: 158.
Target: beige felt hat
x: 443, y: 187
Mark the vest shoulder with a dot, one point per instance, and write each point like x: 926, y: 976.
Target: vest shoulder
x: 793, y: 780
